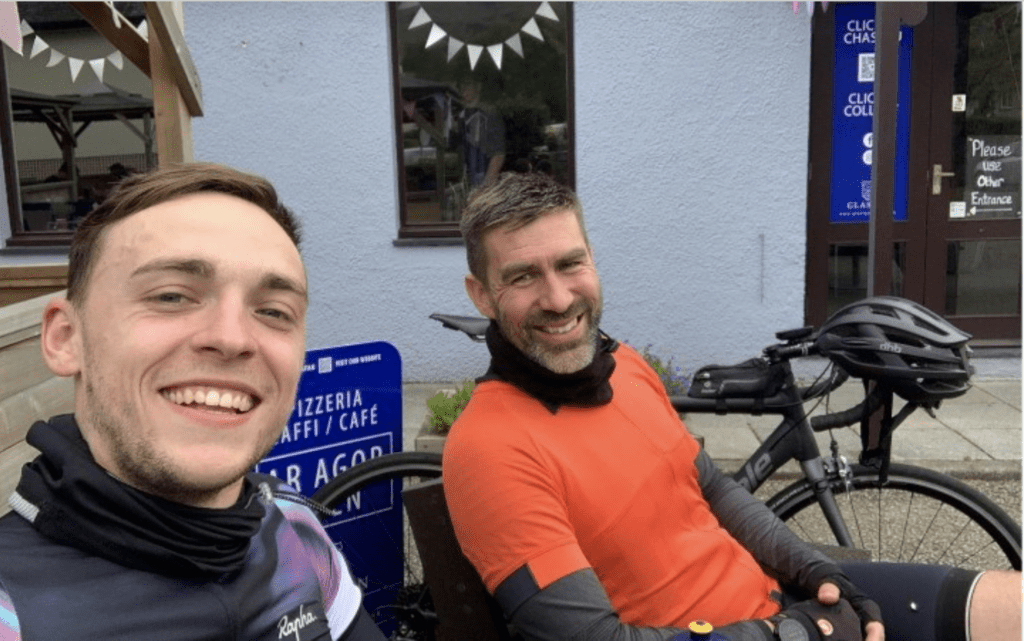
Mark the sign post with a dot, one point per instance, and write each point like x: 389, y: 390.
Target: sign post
x: 348, y: 410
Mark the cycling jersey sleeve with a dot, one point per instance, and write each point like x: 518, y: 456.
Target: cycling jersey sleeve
x: 10, y: 630
x: 342, y: 597
x: 783, y: 555
x: 576, y: 608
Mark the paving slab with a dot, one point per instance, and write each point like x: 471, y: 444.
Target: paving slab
x: 935, y: 444
x: 1007, y: 391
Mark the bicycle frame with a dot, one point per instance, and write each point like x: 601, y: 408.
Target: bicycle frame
x: 793, y: 439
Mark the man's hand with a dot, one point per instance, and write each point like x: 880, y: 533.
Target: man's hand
x: 828, y: 594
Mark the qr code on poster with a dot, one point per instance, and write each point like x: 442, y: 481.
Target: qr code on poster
x: 865, y: 67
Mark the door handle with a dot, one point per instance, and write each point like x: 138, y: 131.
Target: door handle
x: 937, y: 176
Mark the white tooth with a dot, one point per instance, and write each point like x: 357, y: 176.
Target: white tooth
x: 213, y: 397
x: 200, y: 396
x: 245, y: 404
x: 179, y: 396
x: 226, y: 399
x: 189, y: 395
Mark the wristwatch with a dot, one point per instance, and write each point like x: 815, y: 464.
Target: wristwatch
x: 787, y: 629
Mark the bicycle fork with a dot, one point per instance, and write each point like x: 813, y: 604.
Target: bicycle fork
x: 818, y: 475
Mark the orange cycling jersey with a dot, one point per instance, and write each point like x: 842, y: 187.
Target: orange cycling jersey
x: 612, y: 487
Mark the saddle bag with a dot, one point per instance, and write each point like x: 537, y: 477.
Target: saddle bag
x: 754, y: 378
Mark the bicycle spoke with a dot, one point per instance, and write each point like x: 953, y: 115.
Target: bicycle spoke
x: 918, y: 516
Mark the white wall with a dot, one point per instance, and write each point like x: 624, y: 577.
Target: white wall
x: 691, y: 155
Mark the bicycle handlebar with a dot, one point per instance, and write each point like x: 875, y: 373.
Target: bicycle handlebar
x: 867, y: 407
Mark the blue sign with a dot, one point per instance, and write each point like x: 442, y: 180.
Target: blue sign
x: 853, y: 103
x: 348, y: 409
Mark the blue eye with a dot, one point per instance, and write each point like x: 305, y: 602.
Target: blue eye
x: 169, y: 297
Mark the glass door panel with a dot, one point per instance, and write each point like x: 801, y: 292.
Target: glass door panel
x: 848, y: 273
x: 982, y: 277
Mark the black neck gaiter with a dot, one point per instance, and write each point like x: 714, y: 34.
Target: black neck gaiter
x: 589, y: 387
x: 81, y: 505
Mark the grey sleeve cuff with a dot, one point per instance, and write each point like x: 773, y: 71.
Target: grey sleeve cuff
x: 574, y: 608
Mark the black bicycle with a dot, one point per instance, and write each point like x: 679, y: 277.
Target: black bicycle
x: 882, y: 510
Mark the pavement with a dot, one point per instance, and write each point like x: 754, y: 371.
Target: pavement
x: 977, y: 435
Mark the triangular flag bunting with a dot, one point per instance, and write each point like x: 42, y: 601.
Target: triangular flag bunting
x: 515, y: 43
x: 531, y: 28
x: 453, y: 47
x: 545, y: 11
x: 116, y: 59
x: 436, y: 35
x: 114, y: 15
x: 76, y: 66
x: 495, y: 51
x: 421, y: 18
x: 474, y: 54
x: 97, y: 67
x: 10, y: 31
x: 55, y: 58
x: 26, y: 29
x: 38, y: 47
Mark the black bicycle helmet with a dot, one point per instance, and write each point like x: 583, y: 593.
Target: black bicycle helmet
x: 903, y: 346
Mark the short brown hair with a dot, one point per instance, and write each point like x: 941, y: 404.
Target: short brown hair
x: 142, y: 191
x: 512, y: 201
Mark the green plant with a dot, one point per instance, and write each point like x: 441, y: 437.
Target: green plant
x: 672, y: 377
x: 446, y: 407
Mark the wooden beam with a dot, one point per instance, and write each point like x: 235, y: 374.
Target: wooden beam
x: 127, y: 40
x: 163, y: 26
x: 173, y: 131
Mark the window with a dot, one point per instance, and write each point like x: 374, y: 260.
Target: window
x: 480, y: 87
x: 78, y: 115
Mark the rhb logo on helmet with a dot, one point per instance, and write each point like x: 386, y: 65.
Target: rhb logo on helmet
x: 890, y: 347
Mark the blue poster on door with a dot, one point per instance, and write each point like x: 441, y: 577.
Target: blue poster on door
x: 853, y: 98
x: 348, y: 409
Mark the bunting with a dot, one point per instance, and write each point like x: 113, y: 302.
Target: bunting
x: 18, y: 43
x: 495, y: 50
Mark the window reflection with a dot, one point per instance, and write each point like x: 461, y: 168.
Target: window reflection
x: 80, y: 117
x: 483, y: 87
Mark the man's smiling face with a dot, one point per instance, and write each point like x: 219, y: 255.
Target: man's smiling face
x: 189, y: 344
x: 543, y: 290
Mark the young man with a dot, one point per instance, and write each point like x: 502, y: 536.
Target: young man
x: 184, y: 330
x: 591, y: 513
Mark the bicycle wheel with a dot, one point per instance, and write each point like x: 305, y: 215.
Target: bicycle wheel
x: 381, y: 552
x: 917, y: 516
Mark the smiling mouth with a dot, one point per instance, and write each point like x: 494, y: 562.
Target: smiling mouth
x: 228, y: 400
x: 561, y: 329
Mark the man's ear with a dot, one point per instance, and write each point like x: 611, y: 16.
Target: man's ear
x: 60, y: 340
x: 478, y: 293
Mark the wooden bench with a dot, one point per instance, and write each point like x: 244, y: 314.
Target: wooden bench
x: 28, y: 390
x: 465, y: 609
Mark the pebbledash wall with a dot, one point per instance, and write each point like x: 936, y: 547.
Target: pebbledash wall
x: 691, y: 125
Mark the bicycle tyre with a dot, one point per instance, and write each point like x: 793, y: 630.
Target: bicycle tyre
x: 917, y: 516
x: 404, y: 612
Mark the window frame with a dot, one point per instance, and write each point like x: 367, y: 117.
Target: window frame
x: 446, y: 232
x: 18, y: 237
